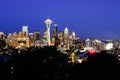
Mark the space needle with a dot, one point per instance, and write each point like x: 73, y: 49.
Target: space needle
x: 48, y: 23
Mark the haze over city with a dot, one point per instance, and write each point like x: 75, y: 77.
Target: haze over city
x: 99, y: 19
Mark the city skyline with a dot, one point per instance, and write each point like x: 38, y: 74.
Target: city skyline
x: 99, y: 19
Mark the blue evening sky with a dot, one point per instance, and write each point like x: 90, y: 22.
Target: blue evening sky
x: 97, y: 18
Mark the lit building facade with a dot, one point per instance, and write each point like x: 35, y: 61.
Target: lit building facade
x: 66, y: 35
x: 22, y: 39
x: 25, y: 30
x: 55, y: 30
x: 37, y: 38
x: 54, y: 39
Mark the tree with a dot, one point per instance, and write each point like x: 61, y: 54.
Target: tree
x: 2, y: 44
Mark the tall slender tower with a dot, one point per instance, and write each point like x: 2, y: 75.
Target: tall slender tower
x: 48, y: 23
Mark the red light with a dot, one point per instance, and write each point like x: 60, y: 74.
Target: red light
x: 92, y: 52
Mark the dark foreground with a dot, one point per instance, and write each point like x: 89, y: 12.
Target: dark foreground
x: 49, y: 64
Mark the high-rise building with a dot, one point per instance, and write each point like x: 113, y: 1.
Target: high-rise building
x: 73, y: 35
x: 37, y: 38
x: 60, y: 36
x: 48, y: 23
x: 88, y: 42
x: 53, y: 41
x: 23, y: 39
x: 55, y: 31
x: 37, y: 35
x: 66, y: 35
x: 31, y: 39
x: 55, y: 35
x: 66, y: 31
x: 15, y: 37
x: 25, y: 30
x: 21, y: 35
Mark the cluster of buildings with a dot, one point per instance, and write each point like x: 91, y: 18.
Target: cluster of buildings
x: 26, y: 39
x: 62, y: 40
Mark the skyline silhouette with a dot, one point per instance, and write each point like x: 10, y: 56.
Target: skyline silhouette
x: 86, y: 18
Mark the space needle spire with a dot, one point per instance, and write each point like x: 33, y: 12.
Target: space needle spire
x: 48, y: 23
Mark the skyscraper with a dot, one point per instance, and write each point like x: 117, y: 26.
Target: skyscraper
x: 48, y: 23
x: 66, y: 35
x: 66, y: 31
x: 73, y: 35
x: 25, y: 30
x: 37, y: 35
x: 55, y: 33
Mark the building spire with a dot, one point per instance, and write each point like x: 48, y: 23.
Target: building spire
x: 66, y: 31
x: 48, y: 22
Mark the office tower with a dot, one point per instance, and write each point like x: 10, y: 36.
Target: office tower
x: 66, y: 31
x: 44, y: 38
x: 48, y: 23
x: 60, y: 34
x: 31, y: 38
x: 70, y: 40
x: 22, y: 40
x: 25, y: 30
x: 15, y: 37
x: 37, y: 35
x: 60, y: 37
x: 53, y: 41
x: 55, y: 33
x: 66, y: 35
x: 21, y: 35
x: 37, y: 38
x: 73, y: 35
x: 88, y: 42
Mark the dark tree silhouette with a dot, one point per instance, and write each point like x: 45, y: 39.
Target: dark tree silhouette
x: 47, y: 63
x: 2, y: 45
